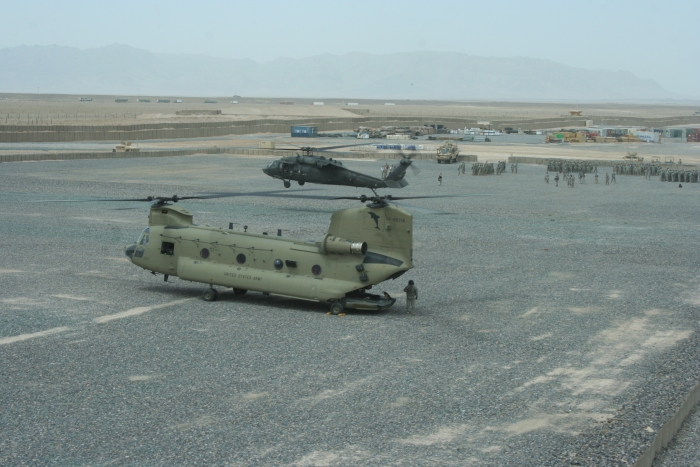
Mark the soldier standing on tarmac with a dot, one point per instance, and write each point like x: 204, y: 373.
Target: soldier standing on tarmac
x: 411, y: 296
x: 607, y: 179
x: 612, y: 180
x: 556, y: 180
x: 440, y: 179
x: 546, y: 177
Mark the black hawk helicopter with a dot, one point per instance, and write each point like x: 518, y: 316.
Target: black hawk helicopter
x: 307, y: 167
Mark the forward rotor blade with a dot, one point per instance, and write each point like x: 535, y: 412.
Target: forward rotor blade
x: 173, y: 199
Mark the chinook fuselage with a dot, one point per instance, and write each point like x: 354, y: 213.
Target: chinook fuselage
x: 363, y: 247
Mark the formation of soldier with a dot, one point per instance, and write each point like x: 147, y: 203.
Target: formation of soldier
x: 501, y: 167
x: 682, y: 176
x: 462, y: 168
x: 570, y: 178
x: 482, y: 168
x: 514, y: 167
x: 627, y: 168
x: 566, y: 165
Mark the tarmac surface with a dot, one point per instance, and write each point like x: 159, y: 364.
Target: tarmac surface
x: 545, y: 313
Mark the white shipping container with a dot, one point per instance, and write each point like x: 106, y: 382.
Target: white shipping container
x: 648, y: 136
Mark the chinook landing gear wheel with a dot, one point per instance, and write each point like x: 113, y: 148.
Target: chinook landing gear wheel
x: 239, y: 291
x: 210, y: 295
x: 287, y: 184
x: 337, y: 308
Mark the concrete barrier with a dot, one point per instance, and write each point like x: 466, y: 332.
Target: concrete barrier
x: 669, y: 429
x: 545, y: 160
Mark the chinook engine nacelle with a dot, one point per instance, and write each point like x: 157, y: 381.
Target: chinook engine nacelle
x: 341, y: 246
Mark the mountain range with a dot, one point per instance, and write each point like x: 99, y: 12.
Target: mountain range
x: 125, y: 70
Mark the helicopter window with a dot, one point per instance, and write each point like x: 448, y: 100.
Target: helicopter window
x: 278, y: 264
x: 316, y: 270
x: 240, y: 258
x: 167, y: 248
x: 204, y: 253
x: 285, y: 167
x: 144, y: 240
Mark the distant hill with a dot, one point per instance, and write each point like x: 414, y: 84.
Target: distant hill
x: 120, y: 69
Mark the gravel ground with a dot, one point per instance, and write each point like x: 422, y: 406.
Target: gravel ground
x: 684, y: 450
x: 555, y: 326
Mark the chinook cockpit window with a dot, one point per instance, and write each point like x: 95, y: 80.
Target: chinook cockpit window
x: 167, y: 248
x: 143, y: 238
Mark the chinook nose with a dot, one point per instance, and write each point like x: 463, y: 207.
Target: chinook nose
x: 266, y: 171
x: 129, y: 251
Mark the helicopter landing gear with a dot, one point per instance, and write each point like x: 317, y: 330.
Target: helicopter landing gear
x: 301, y: 182
x: 239, y: 291
x: 287, y: 183
x: 210, y: 295
x: 337, y: 308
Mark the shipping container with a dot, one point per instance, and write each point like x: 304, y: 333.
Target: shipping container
x: 304, y: 131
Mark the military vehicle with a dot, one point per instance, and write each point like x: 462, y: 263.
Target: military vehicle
x: 634, y: 157
x: 310, y: 168
x: 363, y: 247
x: 447, y: 153
x: 125, y: 146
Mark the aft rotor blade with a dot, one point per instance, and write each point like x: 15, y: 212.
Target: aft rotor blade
x: 464, y: 195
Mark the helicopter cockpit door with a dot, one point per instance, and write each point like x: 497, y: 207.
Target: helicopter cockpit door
x: 167, y: 254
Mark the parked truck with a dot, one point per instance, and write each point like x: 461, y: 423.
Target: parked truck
x: 447, y: 153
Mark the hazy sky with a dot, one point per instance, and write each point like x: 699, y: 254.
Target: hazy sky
x: 657, y: 40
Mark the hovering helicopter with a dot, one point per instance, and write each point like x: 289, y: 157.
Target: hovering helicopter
x: 307, y: 167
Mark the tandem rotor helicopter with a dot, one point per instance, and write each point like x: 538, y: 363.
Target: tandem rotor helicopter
x: 307, y: 167
x: 363, y: 247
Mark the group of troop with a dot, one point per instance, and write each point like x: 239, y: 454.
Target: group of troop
x: 514, y: 167
x: 566, y: 165
x: 501, y: 167
x: 386, y: 170
x: 571, y: 178
x: 482, y: 168
x: 682, y: 176
x: 648, y: 170
x: 462, y: 168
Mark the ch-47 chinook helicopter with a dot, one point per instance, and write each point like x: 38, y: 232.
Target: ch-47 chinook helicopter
x: 307, y: 167
x: 363, y: 247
